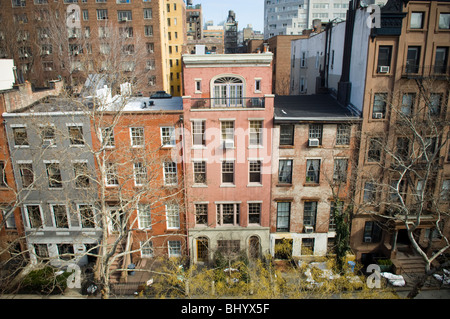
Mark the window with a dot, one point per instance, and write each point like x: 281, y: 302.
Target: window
x: 150, y: 47
x: 340, y: 170
x: 372, y: 232
x: 140, y: 174
x: 227, y: 128
x: 309, y: 214
x: 198, y: 133
x: 174, y: 248
x: 167, y: 136
x: 201, y: 214
x: 26, y: 174
x: 76, y: 135
x: 170, y: 173
x: 315, y: 132
x: 285, y: 172
x: 408, y: 103
x: 445, y: 190
x: 417, y: 19
x: 369, y: 192
x: 374, y: 152
x: 227, y: 172
x: 228, y: 92
x: 146, y: 249
x: 102, y: 14
x: 402, y: 148
x: 440, y: 60
x: 313, y: 171
x: 41, y: 251
x: 65, y: 251
x: 413, y: 59
x: 20, y: 136
x: 435, y: 103
x: 86, y: 215
x: 172, y: 216
x: 148, y: 30
x: 124, y: 15
x: 112, y: 178
x: 48, y: 135
x: 198, y: 86
x: 60, y: 216
x: 257, y: 85
x: 3, y: 182
x: 287, y: 134
x: 334, y: 208
x: 255, y: 172
x: 137, y: 136
x: 10, y: 220
x: 379, y: 106
x: 81, y: 174
x: 254, y: 213
x: 144, y: 216
x: 384, y: 58
x: 148, y: 13
x: 108, y: 137
x: 255, y: 133
x: 85, y: 15
x: 343, y: 134
x: 307, y: 246
x: 228, y: 214
x: 228, y: 247
x: 34, y: 216
x: 396, y: 189
x: 283, y: 216
x: 54, y: 175
x: 444, y: 21
x: 200, y: 172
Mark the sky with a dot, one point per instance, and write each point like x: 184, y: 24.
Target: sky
x: 247, y: 12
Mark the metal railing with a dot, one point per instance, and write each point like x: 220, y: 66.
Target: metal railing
x: 425, y: 70
x: 239, y: 102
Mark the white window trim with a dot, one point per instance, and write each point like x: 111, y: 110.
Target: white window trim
x: 260, y: 84
x: 173, y: 141
x: 140, y: 226
x: 164, y: 174
x: 93, y: 215
x: 167, y: 217
x: 131, y: 137
x: 27, y: 217
x: 54, y: 218
x: 141, y: 244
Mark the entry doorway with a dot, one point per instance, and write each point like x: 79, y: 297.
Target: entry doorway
x: 202, y: 249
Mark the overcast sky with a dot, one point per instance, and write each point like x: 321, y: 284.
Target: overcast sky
x: 247, y: 11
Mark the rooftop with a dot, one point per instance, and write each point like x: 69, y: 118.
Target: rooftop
x: 317, y: 107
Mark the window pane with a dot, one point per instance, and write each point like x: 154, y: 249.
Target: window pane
x: 286, y: 134
x: 283, y: 216
x: 417, y: 20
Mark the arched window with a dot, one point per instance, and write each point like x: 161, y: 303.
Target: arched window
x: 254, y: 247
x: 228, y: 91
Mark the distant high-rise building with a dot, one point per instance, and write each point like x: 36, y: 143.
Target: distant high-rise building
x: 194, y: 21
x: 293, y: 16
x: 231, y: 33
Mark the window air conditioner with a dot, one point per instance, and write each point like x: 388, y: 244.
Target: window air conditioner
x: 367, y: 239
x: 383, y: 69
x: 124, y: 19
x: 309, y: 229
x: 313, y: 142
x: 377, y: 115
x: 48, y: 69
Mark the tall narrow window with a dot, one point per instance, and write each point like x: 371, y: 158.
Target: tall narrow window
x: 408, y: 103
x: 108, y: 137
x: 287, y: 134
x: 200, y: 172
x: 254, y: 213
x: 309, y: 214
x: 53, y: 175
x: 137, y: 136
x: 285, y: 172
x: 3, y: 182
x: 384, y: 58
x: 441, y: 60
x: 198, y: 133
x: 87, y: 216
x: 256, y: 133
x: 144, y: 216
x: 140, y: 174
x: 227, y: 172
x: 60, y: 216
x: 340, y: 170
x: 227, y: 128
x: 283, y: 216
x: 413, y: 59
x: 170, y: 173
x: 379, y: 106
x: 343, y: 134
x: 313, y: 171
x: 255, y: 172
x: 201, y: 214
x: 34, y: 216
x: 167, y: 136
x: 76, y: 135
x: 374, y: 152
x: 172, y: 216
x: 112, y: 178
x: 315, y: 132
x: 81, y: 174
x: 26, y: 174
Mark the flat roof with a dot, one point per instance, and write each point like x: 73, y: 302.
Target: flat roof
x: 148, y: 104
x: 316, y: 107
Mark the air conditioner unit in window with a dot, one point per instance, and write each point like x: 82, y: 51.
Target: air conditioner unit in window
x: 47, y: 143
x: 377, y: 115
x: 309, y: 229
x: 383, y: 69
x: 367, y: 239
x: 124, y: 19
x: 313, y: 142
